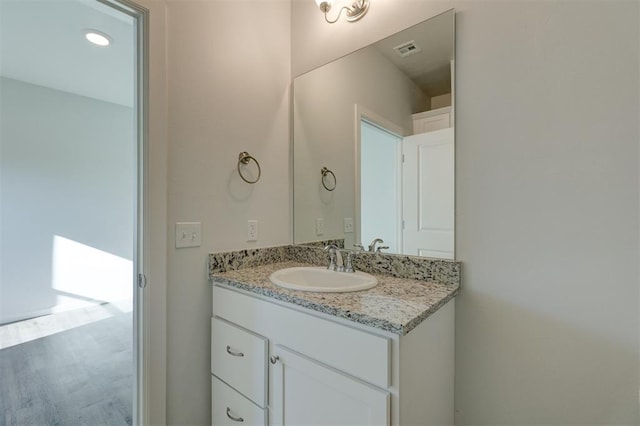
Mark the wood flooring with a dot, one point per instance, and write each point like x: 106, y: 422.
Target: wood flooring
x: 79, y: 376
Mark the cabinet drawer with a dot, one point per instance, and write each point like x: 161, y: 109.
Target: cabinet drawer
x: 239, y: 358
x: 228, y: 407
x: 355, y: 352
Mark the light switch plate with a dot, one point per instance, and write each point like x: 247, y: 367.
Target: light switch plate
x: 188, y: 234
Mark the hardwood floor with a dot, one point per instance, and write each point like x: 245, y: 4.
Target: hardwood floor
x: 80, y: 376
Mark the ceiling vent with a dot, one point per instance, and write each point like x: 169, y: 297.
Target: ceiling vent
x: 407, y: 49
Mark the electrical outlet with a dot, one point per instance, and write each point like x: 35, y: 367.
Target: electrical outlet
x: 319, y: 226
x: 348, y: 225
x: 188, y: 234
x: 252, y: 230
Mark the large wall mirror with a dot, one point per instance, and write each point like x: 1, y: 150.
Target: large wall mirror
x: 373, y: 145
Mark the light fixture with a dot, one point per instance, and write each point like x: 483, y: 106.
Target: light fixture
x: 98, y: 38
x: 357, y: 10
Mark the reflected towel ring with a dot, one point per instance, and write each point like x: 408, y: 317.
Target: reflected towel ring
x: 244, y: 158
x: 324, y: 172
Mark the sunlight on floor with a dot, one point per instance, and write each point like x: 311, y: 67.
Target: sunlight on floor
x: 35, y: 328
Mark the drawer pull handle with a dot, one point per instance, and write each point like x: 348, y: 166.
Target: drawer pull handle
x: 274, y: 359
x: 235, y: 419
x: 230, y: 352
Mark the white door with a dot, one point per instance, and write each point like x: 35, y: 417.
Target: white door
x: 309, y: 393
x: 428, y: 194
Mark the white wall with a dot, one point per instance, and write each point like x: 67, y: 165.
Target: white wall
x: 547, y: 201
x: 228, y: 88
x: 66, y: 198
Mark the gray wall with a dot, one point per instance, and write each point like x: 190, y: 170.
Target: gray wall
x: 66, y: 172
x: 228, y: 91
x: 548, y: 214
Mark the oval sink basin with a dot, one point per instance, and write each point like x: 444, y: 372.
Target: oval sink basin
x: 323, y: 280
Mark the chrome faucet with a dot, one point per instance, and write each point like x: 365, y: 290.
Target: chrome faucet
x: 335, y: 258
x: 372, y: 246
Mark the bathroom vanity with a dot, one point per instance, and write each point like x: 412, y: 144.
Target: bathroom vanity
x: 383, y: 356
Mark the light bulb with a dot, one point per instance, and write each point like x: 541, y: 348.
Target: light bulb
x: 97, y: 38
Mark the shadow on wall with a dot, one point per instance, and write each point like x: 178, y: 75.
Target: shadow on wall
x: 547, y: 371
x: 67, y: 198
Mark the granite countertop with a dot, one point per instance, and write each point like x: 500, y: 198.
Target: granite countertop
x: 396, y: 304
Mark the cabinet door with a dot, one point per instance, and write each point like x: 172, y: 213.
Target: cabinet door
x: 309, y: 393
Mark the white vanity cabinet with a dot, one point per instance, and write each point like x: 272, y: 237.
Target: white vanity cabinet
x: 319, y: 369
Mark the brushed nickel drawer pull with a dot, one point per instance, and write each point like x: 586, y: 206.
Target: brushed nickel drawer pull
x: 230, y: 352
x: 235, y: 419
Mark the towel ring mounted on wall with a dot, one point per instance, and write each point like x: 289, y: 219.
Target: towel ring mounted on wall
x: 324, y: 172
x: 244, y: 158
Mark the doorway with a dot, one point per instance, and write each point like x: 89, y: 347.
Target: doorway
x: 380, y: 186
x: 71, y: 251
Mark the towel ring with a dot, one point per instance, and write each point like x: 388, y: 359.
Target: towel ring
x: 324, y: 172
x: 244, y: 158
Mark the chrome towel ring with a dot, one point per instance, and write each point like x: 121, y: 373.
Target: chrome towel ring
x: 244, y: 158
x: 324, y: 172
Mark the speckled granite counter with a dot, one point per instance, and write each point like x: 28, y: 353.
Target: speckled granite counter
x: 396, y: 304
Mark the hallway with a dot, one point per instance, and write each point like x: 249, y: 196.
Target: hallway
x: 73, y: 367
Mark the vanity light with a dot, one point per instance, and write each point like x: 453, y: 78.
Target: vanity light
x: 98, y: 38
x: 357, y: 10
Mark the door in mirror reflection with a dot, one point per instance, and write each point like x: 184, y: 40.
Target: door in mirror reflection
x: 428, y: 194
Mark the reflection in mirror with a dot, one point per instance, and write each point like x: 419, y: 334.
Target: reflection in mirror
x: 381, y: 119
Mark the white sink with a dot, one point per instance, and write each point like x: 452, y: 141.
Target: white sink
x: 323, y: 280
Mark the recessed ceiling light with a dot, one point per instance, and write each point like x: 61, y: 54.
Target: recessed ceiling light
x: 98, y: 38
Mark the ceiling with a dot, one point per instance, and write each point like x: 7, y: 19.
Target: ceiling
x: 42, y: 42
x: 430, y: 68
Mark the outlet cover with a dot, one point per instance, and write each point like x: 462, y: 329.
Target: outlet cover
x: 319, y: 226
x: 252, y: 230
x: 188, y: 234
x: 348, y: 225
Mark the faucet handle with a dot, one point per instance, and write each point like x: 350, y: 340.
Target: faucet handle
x: 359, y: 247
x: 349, y: 267
x: 378, y: 250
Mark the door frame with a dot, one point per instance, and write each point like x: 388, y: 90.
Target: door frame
x: 364, y: 114
x: 141, y: 332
